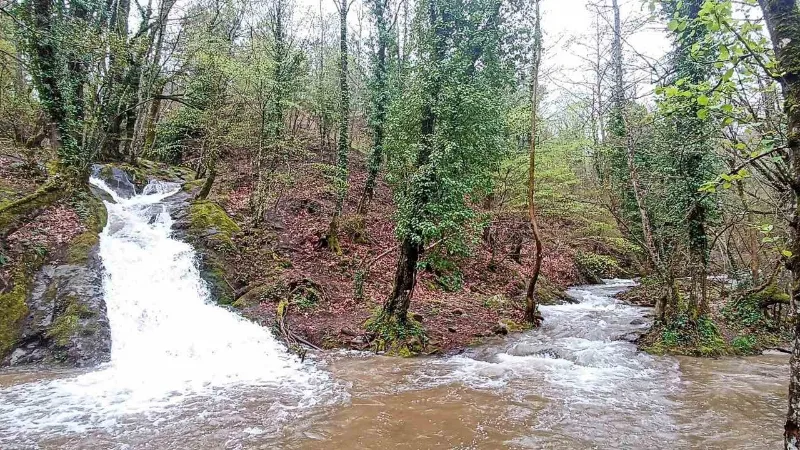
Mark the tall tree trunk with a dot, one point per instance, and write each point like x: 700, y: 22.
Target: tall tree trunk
x: 412, y: 244
x: 343, y: 147
x: 155, y: 85
x: 379, y: 104
x: 531, y: 313
x: 783, y: 22
x: 405, y: 280
x: 273, y: 112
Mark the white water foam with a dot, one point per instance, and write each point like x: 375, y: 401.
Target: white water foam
x: 169, y: 342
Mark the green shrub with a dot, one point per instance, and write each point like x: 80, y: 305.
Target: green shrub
x: 744, y: 344
x: 600, y: 265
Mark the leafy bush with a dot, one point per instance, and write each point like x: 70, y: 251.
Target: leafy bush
x: 744, y: 344
x: 600, y: 265
x: 448, y: 275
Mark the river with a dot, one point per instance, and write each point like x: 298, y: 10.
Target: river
x: 186, y: 374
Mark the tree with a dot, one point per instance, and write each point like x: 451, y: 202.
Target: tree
x: 379, y: 97
x: 274, y: 89
x: 343, y: 145
x: 531, y: 313
x: 446, y: 132
x: 783, y: 22
x: 56, y: 41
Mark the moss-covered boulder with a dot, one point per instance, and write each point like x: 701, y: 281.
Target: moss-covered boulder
x: 55, y: 311
x: 209, y: 222
x: 66, y: 319
x: 210, y: 230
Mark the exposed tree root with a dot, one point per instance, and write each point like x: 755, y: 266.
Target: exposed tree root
x: 293, y: 341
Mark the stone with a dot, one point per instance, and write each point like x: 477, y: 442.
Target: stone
x: 417, y: 317
x: 500, y: 329
x: 347, y: 332
x: 458, y: 312
x: 358, y: 341
x: 523, y: 349
x: 116, y: 179
x: 638, y: 322
x: 451, y: 329
x: 67, y: 321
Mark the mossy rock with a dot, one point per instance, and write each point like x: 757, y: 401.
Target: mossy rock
x: 213, y: 273
x: 68, y: 323
x: 146, y: 170
x: 548, y: 293
x: 208, y: 221
x: 191, y: 186
x: 13, y: 301
x: 394, y: 338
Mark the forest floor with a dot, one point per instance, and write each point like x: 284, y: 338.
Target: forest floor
x: 460, y: 299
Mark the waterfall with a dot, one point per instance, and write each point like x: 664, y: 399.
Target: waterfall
x: 170, y: 342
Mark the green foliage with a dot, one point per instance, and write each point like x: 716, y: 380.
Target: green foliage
x: 681, y: 335
x: 306, y: 298
x: 744, y: 345
x: 435, y: 176
x: 601, y: 265
x: 448, y: 275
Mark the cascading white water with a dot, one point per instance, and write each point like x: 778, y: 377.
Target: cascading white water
x: 581, y: 359
x: 169, y: 342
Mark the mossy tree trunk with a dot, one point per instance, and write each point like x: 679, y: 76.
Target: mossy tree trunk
x: 343, y: 147
x: 531, y: 313
x: 783, y: 21
x: 380, y: 98
x: 412, y: 244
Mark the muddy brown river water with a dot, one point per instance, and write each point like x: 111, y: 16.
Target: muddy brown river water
x: 568, y: 385
x: 185, y: 374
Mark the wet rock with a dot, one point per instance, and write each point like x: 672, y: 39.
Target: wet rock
x: 638, y: 322
x: 548, y: 353
x: 358, y: 342
x: 67, y: 321
x: 116, y: 179
x: 628, y: 337
x: 523, y: 349
x: 347, y: 332
x: 500, y: 329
